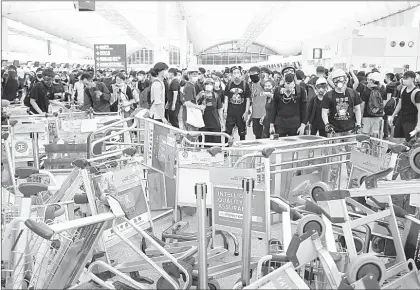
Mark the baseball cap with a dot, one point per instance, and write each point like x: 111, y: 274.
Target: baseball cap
x: 202, y: 70
x: 48, y: 72
x: 409, y: 74
x: 321, y: 81
x: 192, y: 69
x: 375, y: 76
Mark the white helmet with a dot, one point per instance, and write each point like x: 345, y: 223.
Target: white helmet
x: 338, y: 73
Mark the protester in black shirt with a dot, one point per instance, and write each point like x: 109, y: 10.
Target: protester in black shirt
x: 288, y: 116
x: 96, y: 94
x: 237, y: 103
x: 173, y: 96
x: 12, y: 86
x: 315, y: 109
x: 408, y: 109
x: 341, y: 111
x: 42, y: 93
x: 213, y: 111
x: 143, y: 81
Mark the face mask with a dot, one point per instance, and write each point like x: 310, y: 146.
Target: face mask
x: 135, y: 80
x: 56, y: 80
x: 209, y: 88
x: 340, y: 85
x: 289, y: 78
x: 194, y: 79
x: 64, y: 80
x: 268, y: 90
x: 255, y: 78
x: 12, y: 74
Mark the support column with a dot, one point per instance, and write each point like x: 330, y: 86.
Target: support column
x: 4, y: 34
x: 183, y: 44
x: 160, y: 53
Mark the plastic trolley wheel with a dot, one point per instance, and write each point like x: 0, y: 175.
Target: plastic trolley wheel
x: 163, y: 284
x: 311, y: 222
x: 316, y: 188
x: 415, y: 160
x: 214, y: 285
x: 366, y: 264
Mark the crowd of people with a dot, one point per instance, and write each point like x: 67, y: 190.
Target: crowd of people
x: 273, y: 103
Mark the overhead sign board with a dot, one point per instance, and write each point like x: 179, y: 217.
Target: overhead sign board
x: 112, y: 56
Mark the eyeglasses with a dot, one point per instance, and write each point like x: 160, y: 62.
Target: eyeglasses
x: 322, y: 87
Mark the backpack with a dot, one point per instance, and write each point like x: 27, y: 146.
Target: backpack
x: 146, y: 97
x: 375, y: 106
x: 390, y: 106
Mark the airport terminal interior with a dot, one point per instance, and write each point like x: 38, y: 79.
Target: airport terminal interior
x: 210, y: 145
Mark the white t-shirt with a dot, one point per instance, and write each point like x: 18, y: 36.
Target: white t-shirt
x: 80, y: 88
x: 157, y: 96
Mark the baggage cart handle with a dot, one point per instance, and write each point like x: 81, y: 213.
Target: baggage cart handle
x: 91, y: 144
x: 41, y: 229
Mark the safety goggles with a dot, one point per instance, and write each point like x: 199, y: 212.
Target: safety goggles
x: 339, y: 79
x: 289, y: 71
x: 322, y: 86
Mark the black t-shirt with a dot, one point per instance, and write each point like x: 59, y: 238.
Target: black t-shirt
x: 360, y: 88
x: 237, y: 97
x: 341, y: 108
x: 174, y: 86
x: 142, y: 85
x: 211, y: 114
x: 365, y: 96
x: 408, y: 111
x: 42, y: 95
x: 58, y: 88
x: 317, y: 111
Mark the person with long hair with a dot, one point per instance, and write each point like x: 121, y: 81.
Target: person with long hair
x: 12, y: 87
x: 157, y: 92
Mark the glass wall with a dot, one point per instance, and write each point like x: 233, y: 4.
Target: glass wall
x: 229, y: 53
x: 142, y: 56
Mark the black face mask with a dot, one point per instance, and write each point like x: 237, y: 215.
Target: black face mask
x: 254, y: 78
x: 135, y: 80
x: 289, y: 78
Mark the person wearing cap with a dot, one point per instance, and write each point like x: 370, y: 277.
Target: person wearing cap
x: 173, y: 96
x: 288, y: 117
x: 408, y: 109
x: 189, y: 99
x: 315, y: 110
x: 341, y: 110
x: 258, y: 98
x: 213, y: 112
x: 12, y: 86
x: 237, y: 103
x: 42, y: 93
x: 373, y: 98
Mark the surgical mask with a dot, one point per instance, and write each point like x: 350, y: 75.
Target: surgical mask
x: 254, y: 78
x: 339, y: 85
x: 209, y: 88
x: 194, y: 79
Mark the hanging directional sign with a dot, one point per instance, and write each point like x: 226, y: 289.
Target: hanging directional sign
x: 112, y: 56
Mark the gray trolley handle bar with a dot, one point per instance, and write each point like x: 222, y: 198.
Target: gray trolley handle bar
x: 91, y: 145
x: 104, y: 113
x: 184, y: 132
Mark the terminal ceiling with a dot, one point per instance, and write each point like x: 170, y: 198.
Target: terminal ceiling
x: 281, y: 26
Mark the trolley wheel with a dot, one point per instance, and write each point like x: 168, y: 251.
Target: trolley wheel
x: 317, y: 187
x: 311, y: 222
x: 214, y: 285
x: 366, y: 147
x: 122, y: 286
x: 415, y: 160
x: 363, y: 265
x: 163, y: 284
